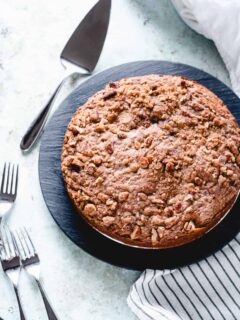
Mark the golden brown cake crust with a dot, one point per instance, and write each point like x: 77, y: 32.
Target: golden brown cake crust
x: 153, y: 160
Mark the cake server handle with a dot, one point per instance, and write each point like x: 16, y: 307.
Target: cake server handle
x: 36, y: 127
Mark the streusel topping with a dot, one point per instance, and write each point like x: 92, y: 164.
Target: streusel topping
x: 152, y: 160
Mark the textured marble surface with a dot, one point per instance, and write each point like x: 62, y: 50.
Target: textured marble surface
x: 32, y: 34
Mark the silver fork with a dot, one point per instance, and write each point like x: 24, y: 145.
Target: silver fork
x: 8, y: 190
x: 31, y: 262
x: 10, y: 261
x: 8, y: 194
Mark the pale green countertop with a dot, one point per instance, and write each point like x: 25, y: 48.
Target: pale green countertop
x: 32, y: 34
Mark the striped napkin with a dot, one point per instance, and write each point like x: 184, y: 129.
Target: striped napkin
x: 209, y: 289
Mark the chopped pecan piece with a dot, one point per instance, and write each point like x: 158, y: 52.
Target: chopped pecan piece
x: 238, y: 159
x: 94, y: 116
x: 128, y: 219
x: 112, y: 116
x: 148, y: 141
x: 136, y: 233
x: 137, y: 144
x: 90, y: 209
x: 99, y: 127
x: 198, y: 181
x: 170, y: 166
x: 156, y: 199
x: 108, y: 221
x: 90, y: 169
x: 189, y: 225
x: 142, y: 196
x: 109, y: 202
x: 99, y: 180
x: 170, y: 222
x: 97, y: 160
x: 222, y: 180
x: 102, y: 196
x: 168, y: 211
x: 151, y: 210
x: 157, y: 220
x: 218, y: 121
x: 154, y: 237
x: 134, y: 167
x: 178, y: 206
x: 113, y: 205
x: 123, y: 196
x: 109, y: 148
x: 112, y: 85
x: 160, y: 231
x: 122, y: 135
x: 109, y: 94
x: 144, y: 162
x: 229, y: 173
x: 189, y: 198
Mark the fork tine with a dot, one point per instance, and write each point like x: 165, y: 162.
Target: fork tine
x: 3, y: 177
x: 2, y: 254
x: 8, y: 174
x: 10, y: 241
x: 2, y: 251
x: 16, y: 183
x: 2, y: 257
x: 25, y: 242
x: 6, y: 243
x: 29, y: 241
x: 20, y: 245
x: 11, y: 189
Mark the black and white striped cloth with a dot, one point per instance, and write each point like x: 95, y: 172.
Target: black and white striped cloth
x: 207, y: 290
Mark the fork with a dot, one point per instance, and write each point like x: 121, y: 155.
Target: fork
x: 8, y: 191
x: 8, y: 194
x: 31, y: 263
x: 10, y: 262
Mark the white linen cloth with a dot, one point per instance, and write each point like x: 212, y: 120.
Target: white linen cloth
x: 218, y: 20
x: 209, y: 289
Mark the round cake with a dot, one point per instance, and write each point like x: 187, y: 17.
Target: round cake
x: 152, y: 161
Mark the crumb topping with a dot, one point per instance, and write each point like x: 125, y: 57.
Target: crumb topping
x: 152, y: 160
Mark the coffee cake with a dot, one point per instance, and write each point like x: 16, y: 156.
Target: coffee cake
x: 153, y: 160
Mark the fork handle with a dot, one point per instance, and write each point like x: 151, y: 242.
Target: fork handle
x: 51, y: 314
x: 22, y: 317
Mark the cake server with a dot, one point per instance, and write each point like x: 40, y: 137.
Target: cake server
x: 80, y: 55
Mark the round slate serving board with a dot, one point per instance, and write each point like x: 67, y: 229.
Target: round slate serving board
x: 75, y: 227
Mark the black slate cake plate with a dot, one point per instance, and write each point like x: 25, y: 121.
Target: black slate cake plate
x: 75, y: 227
